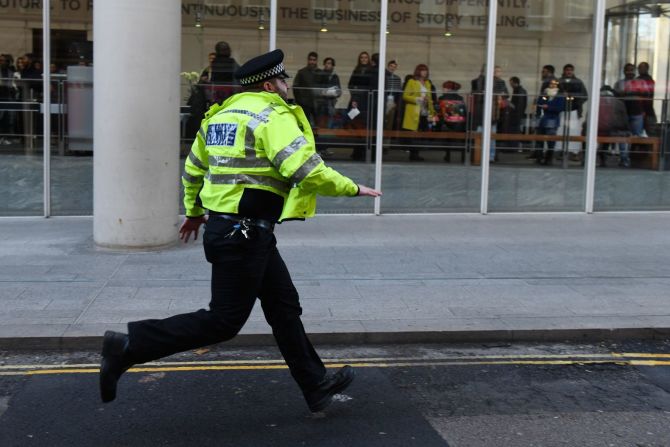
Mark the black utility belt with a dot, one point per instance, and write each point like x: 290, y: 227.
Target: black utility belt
x: 245, y: 221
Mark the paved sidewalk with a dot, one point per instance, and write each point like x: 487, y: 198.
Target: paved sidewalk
x: 361, y: 279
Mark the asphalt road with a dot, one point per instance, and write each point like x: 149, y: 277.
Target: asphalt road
x: 407, y: 395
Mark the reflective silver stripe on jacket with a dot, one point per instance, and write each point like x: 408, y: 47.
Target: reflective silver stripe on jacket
x: 247, y: 179
x: 256, y: 118
x: 307, y: 167
x: 237, y: 162
x: 191, y: 178
x: 202, y: 134
x: 261, y: 118
x: 289, y: 150
x: 249, y: 143
x: 196, y: 161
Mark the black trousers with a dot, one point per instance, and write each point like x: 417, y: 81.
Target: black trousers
x: 243, y: 269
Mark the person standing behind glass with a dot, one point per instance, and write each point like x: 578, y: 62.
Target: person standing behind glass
x: 419, y: 107
x: 222, y: 76
x: 329, y: 89
x: 550, y: 106
x: 304, y: 86
x: 548, y: 74
x: 613, y: 121
x: 630, y: 90
x: 517, y: 113
x: 359, y: 87
x: 452, y: 114
x: 576, y: 95
x: 500, y: 95
x: 6, y: 95
x: 648, y: 86
x: 393, y: 94
x: 206, y: 74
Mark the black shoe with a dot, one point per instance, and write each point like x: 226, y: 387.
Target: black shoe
x: 322, y: 396
x: 114, y: 363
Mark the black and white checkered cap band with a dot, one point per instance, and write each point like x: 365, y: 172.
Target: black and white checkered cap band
x: 267, y: 74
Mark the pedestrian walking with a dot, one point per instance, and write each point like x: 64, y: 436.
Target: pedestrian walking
x: 252, y: 164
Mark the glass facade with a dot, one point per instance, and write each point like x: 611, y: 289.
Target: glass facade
x: 434, y: 156
x: 543, y: 169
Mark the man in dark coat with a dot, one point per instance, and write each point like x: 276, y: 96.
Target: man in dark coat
x: 517, y: 111
x: 576, y: 95
x: 306, y: 80
x: 6, y: 95
x: 648, y: 87
x: 573, y: 88
x: 222, y: 76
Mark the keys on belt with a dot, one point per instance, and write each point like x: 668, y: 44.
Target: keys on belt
x: 242, y: 226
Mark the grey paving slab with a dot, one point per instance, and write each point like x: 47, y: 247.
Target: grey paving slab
x: 121, y: 315
x: 360, y: 275
x: 172, y: 282
x: 575, y: 322
x: 328, y: 290
x: 434, y: 324
x: 25, y: 304
x: 171, y: 293
x: 189, y: 304
x: 61, y: 290
x: 128, y: 304
x: 10, y: 292
x: 20, y: 330
x: 334, y: 326
x: 655, y: 321
x: 89, y: 329
x: 416, y: 294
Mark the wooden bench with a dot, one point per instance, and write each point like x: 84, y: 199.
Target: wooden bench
x: 344, y: 137
x: 653, y: 142
x: 408, y: 134
x: 367, y: 138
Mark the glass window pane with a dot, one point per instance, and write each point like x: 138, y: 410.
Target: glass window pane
x: 632, y: 165
x: 429, y: 160
x: 21, y: 160
x: 537, y: 150
x: 329, y: 48
x: 71, y: 114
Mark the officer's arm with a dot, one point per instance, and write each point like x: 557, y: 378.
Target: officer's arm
x: 195, y: 168
x: 296, y: 159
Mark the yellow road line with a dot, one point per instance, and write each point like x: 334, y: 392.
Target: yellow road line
x: 612, y: 355
x: 645, y: 355
x: 390, y: 364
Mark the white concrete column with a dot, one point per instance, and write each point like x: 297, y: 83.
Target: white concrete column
x: 137, y: 51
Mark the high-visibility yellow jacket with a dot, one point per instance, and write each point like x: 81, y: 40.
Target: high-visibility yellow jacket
x: 257, y: 140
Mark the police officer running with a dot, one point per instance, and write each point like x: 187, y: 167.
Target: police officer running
x: 252, y: 164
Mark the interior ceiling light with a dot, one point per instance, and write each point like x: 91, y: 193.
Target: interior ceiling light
x: 656, y: 11
x: 198, y: 19
x: 323, y: 29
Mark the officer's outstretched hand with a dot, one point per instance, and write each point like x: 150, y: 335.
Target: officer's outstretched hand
x: 365, y: 191
x: 191, y: 225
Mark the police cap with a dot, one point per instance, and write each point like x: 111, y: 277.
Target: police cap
x: 261, y: 68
